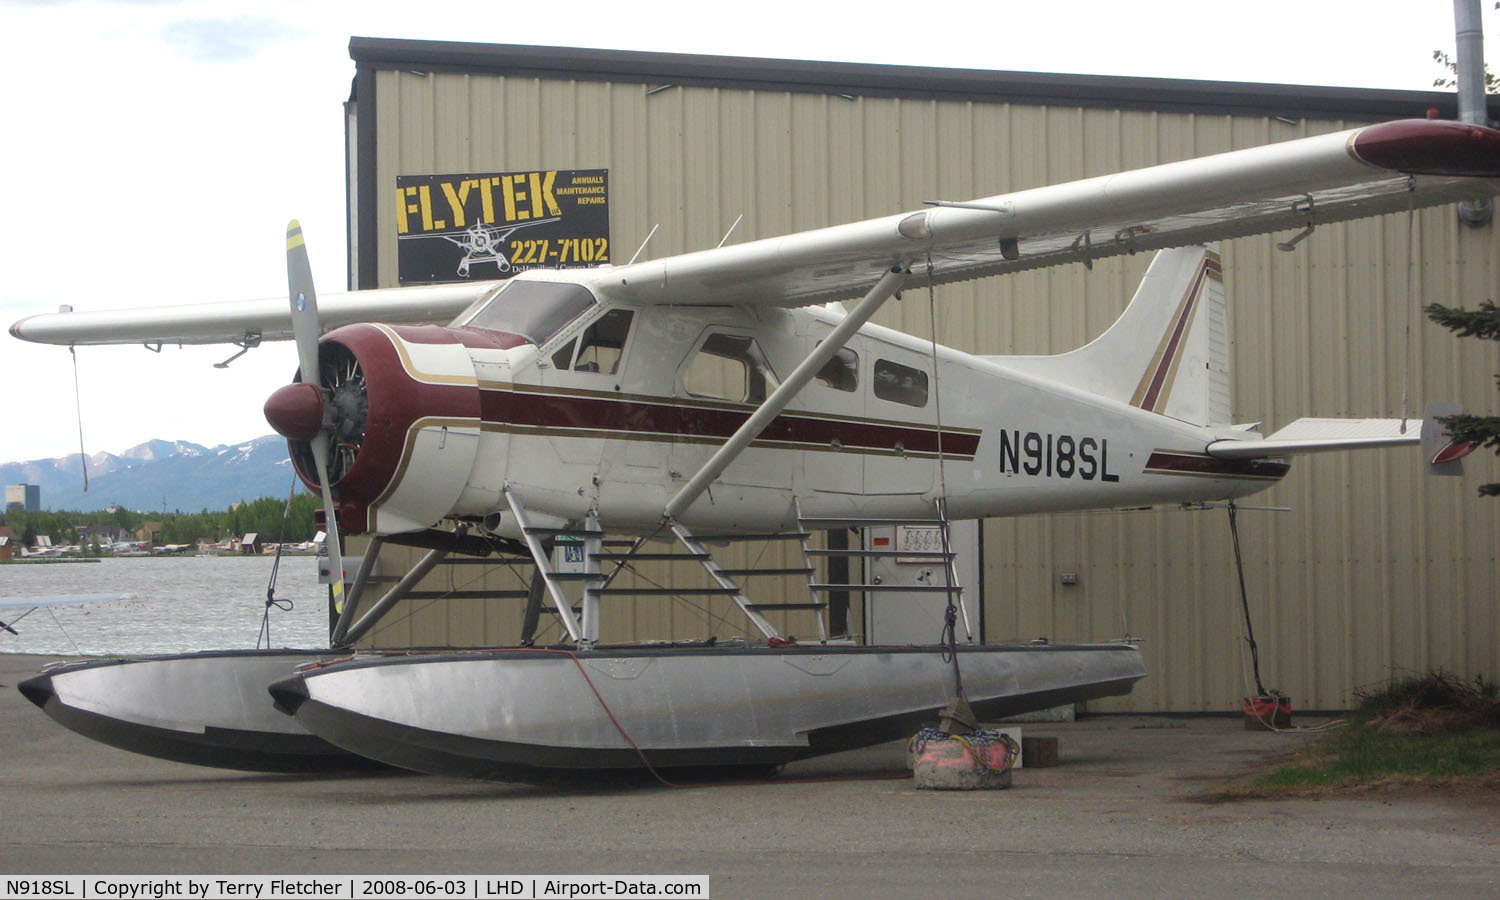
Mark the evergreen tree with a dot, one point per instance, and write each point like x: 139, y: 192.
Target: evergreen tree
x: 1483, y: 322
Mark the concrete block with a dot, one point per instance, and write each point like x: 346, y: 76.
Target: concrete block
x: 1039, y: 752
x: 1065, y: 713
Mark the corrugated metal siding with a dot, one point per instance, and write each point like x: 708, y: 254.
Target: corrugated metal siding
x: 1377, y: 568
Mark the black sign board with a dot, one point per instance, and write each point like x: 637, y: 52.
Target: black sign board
x: 486, y: 226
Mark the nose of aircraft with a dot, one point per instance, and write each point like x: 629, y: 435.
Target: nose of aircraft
x: 296, y: 410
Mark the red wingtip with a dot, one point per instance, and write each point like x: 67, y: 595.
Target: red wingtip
x: 1455, y: 450
x: 1430, y: 147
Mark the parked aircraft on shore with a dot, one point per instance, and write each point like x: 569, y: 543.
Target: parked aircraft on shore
x: 718, y: 395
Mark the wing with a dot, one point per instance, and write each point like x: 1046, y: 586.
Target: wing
x: 1367, y: 171
x: 249, y: 321
x: 1318, y: 435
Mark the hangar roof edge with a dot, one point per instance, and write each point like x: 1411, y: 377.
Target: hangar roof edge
x: 872, y: 80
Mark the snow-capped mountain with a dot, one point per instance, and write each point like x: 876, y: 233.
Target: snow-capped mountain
x: 171, y: 475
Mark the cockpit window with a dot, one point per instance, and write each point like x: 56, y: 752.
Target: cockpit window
x: 604, y: 343
x: 535, y: 310
x: 600, y: 348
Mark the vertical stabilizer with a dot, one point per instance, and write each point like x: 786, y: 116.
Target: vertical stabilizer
x: 1168, y: 353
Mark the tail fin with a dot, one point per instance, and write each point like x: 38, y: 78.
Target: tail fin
x: 1167, y: 353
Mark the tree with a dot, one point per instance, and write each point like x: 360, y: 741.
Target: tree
x: 1484, y: 323
x: 1491, y: 82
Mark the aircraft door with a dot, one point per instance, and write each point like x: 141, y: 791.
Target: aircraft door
x: 585, y: 411
x: 835, y: 398
x: 721, y: 383
x: 916, y: 617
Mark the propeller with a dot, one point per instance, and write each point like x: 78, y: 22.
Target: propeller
x: 306, y: 329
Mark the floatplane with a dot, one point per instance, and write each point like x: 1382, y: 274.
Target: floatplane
x: 727, y: 394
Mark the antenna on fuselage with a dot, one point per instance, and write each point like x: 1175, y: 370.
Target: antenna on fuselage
x: 644, y: 243
x: 737, y: 220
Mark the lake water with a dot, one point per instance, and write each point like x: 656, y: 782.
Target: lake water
x: 172, y: 605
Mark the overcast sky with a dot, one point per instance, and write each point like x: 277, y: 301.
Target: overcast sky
x: 155, y: 149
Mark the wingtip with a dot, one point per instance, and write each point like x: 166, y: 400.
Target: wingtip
x: 1429, y: 147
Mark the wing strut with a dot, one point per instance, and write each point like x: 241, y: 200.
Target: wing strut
x: 339, y: 637
x: 533, y: 536
x: 883, y: 290
x: 391, y: 598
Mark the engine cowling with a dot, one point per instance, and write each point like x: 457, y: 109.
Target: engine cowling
x: 402, y: 407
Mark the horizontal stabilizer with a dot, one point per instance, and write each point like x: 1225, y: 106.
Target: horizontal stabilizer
x: 1443, y: 454
x: 1319, y: 435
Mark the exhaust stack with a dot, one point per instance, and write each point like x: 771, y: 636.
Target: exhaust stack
x: 1472, y: 107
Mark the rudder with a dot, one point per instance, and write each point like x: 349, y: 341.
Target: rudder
x: 1168, y: 353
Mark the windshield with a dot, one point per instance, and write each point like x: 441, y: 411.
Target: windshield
x: 534, y: 310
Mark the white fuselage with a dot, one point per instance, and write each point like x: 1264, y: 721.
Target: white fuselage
x: 569, y: 441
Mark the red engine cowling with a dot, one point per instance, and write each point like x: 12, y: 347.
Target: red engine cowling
x: 401, y: 404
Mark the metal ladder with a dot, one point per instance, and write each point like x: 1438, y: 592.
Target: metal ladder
x: 725, y: 579
x: 582, y: 622
x: 950, y: 586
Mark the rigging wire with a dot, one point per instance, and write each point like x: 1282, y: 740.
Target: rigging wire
x: 60, y: 627
x: 83, y: 458
x: 415, y: 609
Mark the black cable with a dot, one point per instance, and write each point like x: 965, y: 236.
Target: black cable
x: 271, y: 599
x: 1239, y: 566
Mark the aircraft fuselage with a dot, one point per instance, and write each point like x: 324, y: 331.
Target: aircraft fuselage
x: 614, y: 410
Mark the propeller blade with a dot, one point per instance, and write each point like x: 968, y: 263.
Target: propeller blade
x: 330, y: 522
x: 306, y: 329
x: 305, y: 326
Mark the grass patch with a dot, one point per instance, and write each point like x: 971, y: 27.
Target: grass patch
x: 1431, y: 731
x: 1359, y: 754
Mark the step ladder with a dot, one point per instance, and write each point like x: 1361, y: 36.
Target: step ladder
x: 598, y: 554
x: 947, y: 557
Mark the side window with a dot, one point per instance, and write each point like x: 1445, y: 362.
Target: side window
x: 900, y: 384
x: 841, y: 372
x: 604, y: 343
x: 563, y: 358
x: 729, y: 367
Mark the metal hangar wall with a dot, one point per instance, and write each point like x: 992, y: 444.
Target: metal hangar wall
x: 1377, y: 568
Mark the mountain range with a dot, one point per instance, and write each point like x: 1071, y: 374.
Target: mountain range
x: 175, y: 476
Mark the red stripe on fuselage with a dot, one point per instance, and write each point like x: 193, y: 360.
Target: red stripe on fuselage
x: 610, y: 417
x: 1167, y: 462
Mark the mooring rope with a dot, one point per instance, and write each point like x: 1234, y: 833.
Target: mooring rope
x: 271, y: 599
x: 949, y: 638
x: 1239, y: 567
